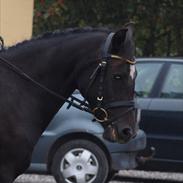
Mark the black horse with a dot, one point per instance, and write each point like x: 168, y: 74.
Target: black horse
x: 36, y: 75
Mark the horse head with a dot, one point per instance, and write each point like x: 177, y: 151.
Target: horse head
x: 110, y: 89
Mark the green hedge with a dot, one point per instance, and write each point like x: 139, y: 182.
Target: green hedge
x: 159, y: 23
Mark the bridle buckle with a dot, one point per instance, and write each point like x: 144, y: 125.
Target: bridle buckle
x: 100, y: 114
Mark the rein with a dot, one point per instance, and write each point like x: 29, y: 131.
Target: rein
x: 83, y: 107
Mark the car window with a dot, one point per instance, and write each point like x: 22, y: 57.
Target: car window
x: 146, y: 76
x: 173, y: 86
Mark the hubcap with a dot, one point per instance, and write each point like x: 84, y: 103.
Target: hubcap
x: 79, y: 166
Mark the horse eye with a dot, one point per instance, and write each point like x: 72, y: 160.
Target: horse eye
x: 117, y: 76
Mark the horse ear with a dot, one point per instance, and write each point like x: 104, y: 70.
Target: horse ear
x: 129, y: 45
x: 122, y: 37
x: 130, y: 27
x: 118, y: 40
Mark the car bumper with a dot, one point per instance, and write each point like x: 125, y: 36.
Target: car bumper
x: 136, y: 144
x: 124, y: 156
x: 124, y: 161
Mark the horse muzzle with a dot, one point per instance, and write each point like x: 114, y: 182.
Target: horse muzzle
x: 111, y: 134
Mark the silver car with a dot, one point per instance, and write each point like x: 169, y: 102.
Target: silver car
x: 73, y: 147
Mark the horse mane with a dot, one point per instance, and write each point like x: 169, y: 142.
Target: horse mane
x: 59, y: 33
x: 70, y: 31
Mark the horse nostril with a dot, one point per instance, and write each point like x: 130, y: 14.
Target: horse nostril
x: 126, y: 133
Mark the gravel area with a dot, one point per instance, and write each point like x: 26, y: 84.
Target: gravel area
x: 153, y: 175
x: 33, y: 178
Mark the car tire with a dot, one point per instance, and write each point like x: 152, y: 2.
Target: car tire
x: 80, y: 161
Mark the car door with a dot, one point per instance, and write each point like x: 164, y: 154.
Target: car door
x: 149, y: 72
x: 165, y: 116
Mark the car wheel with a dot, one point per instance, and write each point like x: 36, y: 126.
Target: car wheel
x: 80, y: 161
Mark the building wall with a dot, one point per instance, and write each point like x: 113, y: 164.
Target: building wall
x: 16, y: 18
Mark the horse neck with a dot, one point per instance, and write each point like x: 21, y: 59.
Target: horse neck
x: 55, y: 62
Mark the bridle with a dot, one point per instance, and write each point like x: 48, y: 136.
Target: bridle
x: 101, y: 107
x: 83, y: 105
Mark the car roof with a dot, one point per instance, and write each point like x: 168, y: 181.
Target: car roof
x: 160, y: 59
